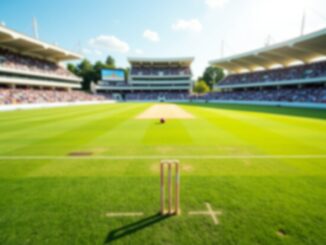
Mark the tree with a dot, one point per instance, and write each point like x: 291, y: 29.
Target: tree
x: 72, y: 68
x: 89, y: 72
x: 201, y: 87
x: 212, y: 75
x: 110, y: 62
x: 86, y: 71
x: 97, y: 70
x: 127, y: 72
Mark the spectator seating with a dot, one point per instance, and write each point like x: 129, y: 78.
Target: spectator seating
x: 313, y: 70
x: 12, y: 60
x: 143, y: 96
x: 143, y: 71
x: 315, y: 94
x: 33, y: 96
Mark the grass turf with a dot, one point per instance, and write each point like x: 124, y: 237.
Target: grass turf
x: 64, y: 201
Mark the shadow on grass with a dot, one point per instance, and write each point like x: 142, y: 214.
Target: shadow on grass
x: 287, y: 111
x: 134, y: 227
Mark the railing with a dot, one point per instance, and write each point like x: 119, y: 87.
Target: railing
x: 36, y: 82
x: 275, y: 83
x: 40, y: 74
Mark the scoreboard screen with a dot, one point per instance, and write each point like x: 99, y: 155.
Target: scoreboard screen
x: 113, y: 75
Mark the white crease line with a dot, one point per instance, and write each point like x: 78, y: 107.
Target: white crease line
x: 213, y: 214
x: 148, y: 157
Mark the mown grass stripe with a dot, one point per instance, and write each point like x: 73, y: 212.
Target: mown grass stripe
x: 139, y: 157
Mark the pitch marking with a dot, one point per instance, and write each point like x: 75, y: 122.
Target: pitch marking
x: 155, y: 157
x: 210, y: 212
x: 167, y: 111
x: 132, y: 214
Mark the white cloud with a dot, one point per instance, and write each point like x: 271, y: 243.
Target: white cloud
x: 187, y: 25
x: 109, y: 43
x: 86, y: 51
x: 151, y: 36
x: 139, y: 51
x: 215, y: 3
x: 93, y: 51
x: 98, y: 52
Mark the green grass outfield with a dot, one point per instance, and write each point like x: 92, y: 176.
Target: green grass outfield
x: 264, y: 168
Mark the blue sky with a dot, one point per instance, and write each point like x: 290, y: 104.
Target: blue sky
x: 163, y: 28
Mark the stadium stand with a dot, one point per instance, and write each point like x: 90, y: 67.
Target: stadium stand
x: 153, y: 79
x: 12, y: 60
x: 314, y: 70
x: 151, y: 96
x: 33, y: 96
x: 30, y: 72
x: 136, y: 71
x: 303, y: 95
x: 300, y: 76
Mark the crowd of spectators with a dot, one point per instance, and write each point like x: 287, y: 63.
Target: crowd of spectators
x: 315, y: 94
x: 110, y: 83
x: 306, y: 95
x: 313, y: 70
x: 151, y: 96
x: 33, y: 96
x: 161, y: 71
x: 12, y: 60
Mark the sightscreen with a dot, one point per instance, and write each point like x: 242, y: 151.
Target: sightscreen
x: 113, y: 75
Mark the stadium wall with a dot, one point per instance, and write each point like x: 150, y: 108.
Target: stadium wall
x: 259, y: 103
x: 157, y: 101
x: 52, y: 105
x: 268, y: 103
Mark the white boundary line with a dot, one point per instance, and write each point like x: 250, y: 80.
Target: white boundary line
x: 149, y: 157
x: 52, y: 105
